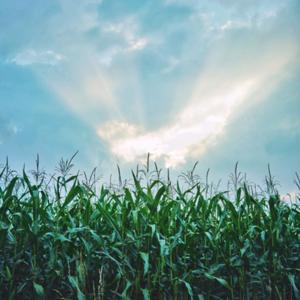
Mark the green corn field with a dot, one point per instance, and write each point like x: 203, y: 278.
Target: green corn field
x: 70, y: 237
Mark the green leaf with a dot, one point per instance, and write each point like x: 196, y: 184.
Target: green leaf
x: 3, y: 226
x: 128, y: 285
x: 145, y: 257
x: 159, y: 194
x: 10, y: 188
x: 164, y: 249
x: 74, y: 283
x: 222, y: 281
x: 189, y: 288
x: 146, y: 294
x: 294, y: 286
x: 38, y: 289
x: 75, y: 190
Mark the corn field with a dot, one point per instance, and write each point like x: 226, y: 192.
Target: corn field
x: 67, y: 237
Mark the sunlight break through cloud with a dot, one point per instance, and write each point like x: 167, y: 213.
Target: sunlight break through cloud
x: 193, y: 132
x: 217, y: 96
x: 107, y: 70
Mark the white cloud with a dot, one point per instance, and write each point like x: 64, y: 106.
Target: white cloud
x: 130, y: 39
x: 30, y: 57
x: 7, y: 129
x: 137, y: 44
x: 257, y: 20
x: 230, y: 24
x: 94, y: 92
x: 218, y: 95
x: 81, y: 83
x: 107, y: 56
x: 126, y: 28
x: 194, y: 130
x: 219, y: 17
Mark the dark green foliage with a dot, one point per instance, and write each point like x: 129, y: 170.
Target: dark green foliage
x: 144, y: 241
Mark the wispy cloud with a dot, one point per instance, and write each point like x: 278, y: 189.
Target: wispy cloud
x: 8, y: 128
x: 80, y: 82
x: 127, y: 29
x: 129, y: 40
x: 33, y: 57
x: 85, y: 83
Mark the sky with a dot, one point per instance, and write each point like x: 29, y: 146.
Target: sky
x: 213, y: 81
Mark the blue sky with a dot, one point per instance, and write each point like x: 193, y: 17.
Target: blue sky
x: 210, y: 81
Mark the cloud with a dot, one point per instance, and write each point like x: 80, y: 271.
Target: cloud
x: 85, y: 82
x: 254, y: 20
x: 107, y: 56
x: 33, y: 57
x: 241, y: 62
x: 193, y: 132
x: 218, y: 17
x: 230, y: 24
x: 7, y: 129
x: 219, y: 93
x: 80, y: 82
x: 137, y: 44
x: 129, y: 40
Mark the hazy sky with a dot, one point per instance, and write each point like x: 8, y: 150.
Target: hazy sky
x: 216, y: 81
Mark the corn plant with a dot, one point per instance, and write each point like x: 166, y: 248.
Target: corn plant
x: 68, y: 238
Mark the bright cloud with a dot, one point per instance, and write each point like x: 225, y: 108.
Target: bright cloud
x: 30, y: 57
x: 217, y: 96
x: 128, y: 31
x: 192, y: 133
x: 130, y: 40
